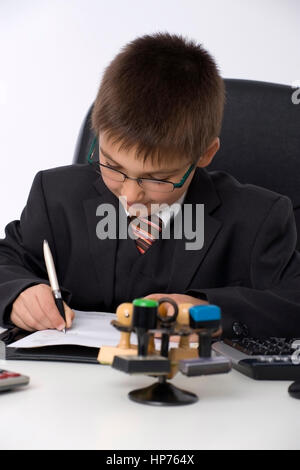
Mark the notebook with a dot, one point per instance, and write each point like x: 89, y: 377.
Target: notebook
x: 80, y: 343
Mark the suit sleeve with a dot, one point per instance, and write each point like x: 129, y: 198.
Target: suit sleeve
x: 21, y: 251
x: 271, y: 306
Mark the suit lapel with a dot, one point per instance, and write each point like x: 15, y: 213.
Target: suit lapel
x: 186, y: 262
x: 103, y: 252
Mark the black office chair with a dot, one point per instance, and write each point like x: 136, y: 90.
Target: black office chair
x: 260, y: 138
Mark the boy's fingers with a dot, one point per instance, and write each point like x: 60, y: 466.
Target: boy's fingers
x: 70, y: 314
x: 164, y: 308
x: 27, y: 307
x: 50, y: 311
x: 35, y: 309
x: 153, y: 296
x: 18, y: 321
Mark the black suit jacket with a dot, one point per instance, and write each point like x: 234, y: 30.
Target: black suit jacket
x: 248, y: 264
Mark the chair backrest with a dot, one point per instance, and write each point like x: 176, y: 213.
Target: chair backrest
x: 260, y: 138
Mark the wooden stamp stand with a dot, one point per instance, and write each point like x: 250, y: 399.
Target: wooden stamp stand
x: 184, y: 351
x: 164, y: 392
x: 147, y: 317
x: 123, y: 324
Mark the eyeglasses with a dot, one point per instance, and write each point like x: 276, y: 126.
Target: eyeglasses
x: 148, y: 184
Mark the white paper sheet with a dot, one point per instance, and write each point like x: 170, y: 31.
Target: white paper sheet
x: 91, y: 329
x: 88, y: 329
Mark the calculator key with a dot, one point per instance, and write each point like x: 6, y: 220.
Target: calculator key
x: 3, y: 375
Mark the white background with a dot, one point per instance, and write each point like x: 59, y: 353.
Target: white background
x: 53, y: 53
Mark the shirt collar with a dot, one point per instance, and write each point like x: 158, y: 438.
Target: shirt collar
x: 169, y: 212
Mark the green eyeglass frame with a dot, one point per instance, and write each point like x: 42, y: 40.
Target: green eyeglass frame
x: 176, y: 185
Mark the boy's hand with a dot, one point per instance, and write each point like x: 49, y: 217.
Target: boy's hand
x: 182, y: 299
x: 35, y: 309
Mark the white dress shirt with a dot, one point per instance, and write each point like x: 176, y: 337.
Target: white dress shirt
x: 169, y: 212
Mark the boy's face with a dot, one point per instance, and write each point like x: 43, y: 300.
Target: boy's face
x: 128, y: 163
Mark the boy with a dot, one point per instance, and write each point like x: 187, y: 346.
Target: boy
x: 156, y: 118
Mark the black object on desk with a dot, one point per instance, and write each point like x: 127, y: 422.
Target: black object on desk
x: 262, y: 358
x: 63, y: 352
x: 294, y: 389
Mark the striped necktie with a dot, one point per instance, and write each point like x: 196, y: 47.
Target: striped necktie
x: 147, y: 230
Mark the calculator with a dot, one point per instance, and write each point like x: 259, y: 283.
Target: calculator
x: 10, y: 380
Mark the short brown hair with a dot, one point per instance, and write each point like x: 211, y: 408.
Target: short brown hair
x: 164, y: 95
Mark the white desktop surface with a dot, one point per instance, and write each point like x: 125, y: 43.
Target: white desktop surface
x: 85, y: 406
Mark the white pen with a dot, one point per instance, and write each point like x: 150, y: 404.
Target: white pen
x: 53, y: 280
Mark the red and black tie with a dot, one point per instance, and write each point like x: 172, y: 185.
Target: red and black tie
x: 147, y: 230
